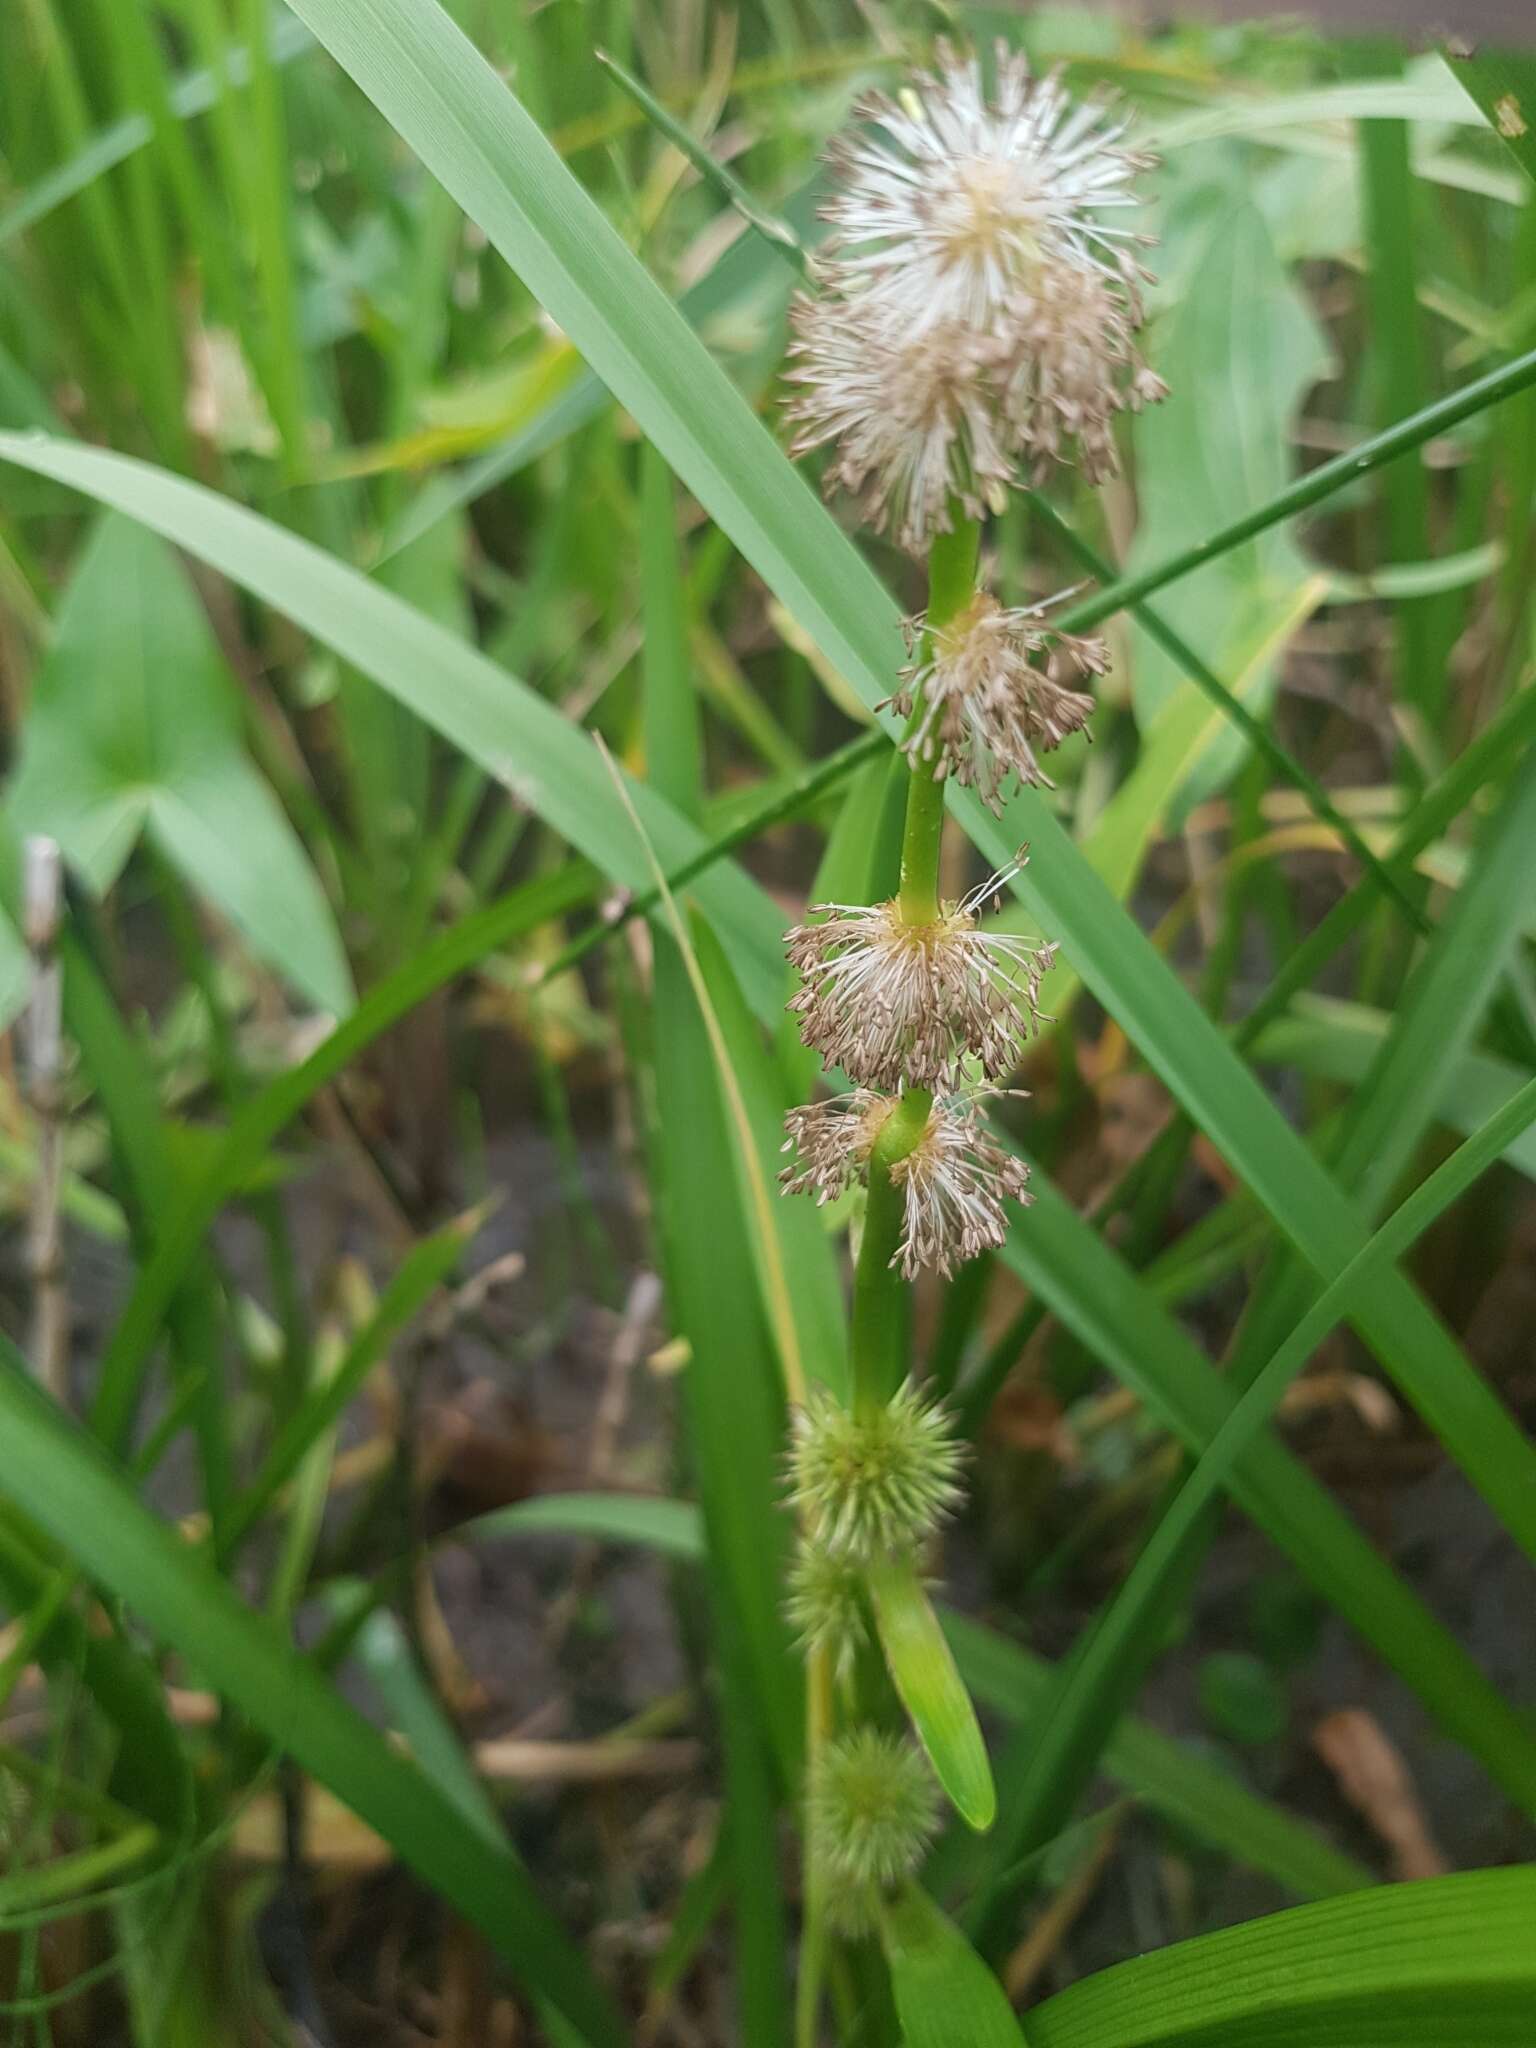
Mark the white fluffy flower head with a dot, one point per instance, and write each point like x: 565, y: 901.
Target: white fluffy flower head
x: 949, y: 204
x: 953, y: 1185
x: 953, y: 1182
x: 995, y: 695
x: 980, y: 296
x: 915, y: 419
x: 888, y: 1001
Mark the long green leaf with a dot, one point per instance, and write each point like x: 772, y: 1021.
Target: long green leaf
x: 1443, y: 1004
x: 1503, y: 84
x: 424, y: 1269
x: 670, y: 1526
x: 194, y: 94
x: 805, y: 1259
x: 1199, y: 1797
x: 1445, y: 1964
x: 522, y: 742
x: 735, y: 1422
x: 59, y: 1477
x: 1340, y: 1041
x: 125, y: 1084
x: 1119, y: 963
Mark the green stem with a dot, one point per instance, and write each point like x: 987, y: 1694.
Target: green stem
x: 877, y: 1334
x: 877, y: 1338
x: 951, y: 586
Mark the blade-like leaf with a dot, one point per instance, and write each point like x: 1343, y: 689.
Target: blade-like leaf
x: 1445, y: 1964
x: 932, y: 1691
x: 735, y: 1420
x: 185, y: 1218
x: 134, y: 724
x: 1104, y: 1671
x: 944, y: 1992
x: 519, y: 739
x: 1503, y: 84
x: 1199, y: 1797
x: 1099, y: 1299
x: 671, y: 1526
x: 424, y: 1269
x: 1340, y: 1041
x: 1240, y: 353
x: 190, y: 95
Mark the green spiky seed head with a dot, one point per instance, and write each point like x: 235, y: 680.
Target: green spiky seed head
x: 825, y: 1604
x: 871, y: 1483
x: 873, y: 1810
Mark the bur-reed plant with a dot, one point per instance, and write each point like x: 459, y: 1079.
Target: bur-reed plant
x: 972, y: 322
x: 102, y: 1587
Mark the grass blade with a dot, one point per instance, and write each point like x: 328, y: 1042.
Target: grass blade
x: 187, y: 1218
x: 1503, y: 84
x: 1100, y: 1300
x: 1120, y: 965
x: 1232, y: 707
x: 1200, y: 1797
x: 1341, y: 1041
x: 522, y: 741
x: 1443, y: 1964
x: 425, y: 1269
x: 190, y: 95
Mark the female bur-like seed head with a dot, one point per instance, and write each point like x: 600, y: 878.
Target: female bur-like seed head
x: 980, y: 296
x: 891, y: 1002
x: 871, y: 1483
x: 826, y: 1603
x: 874, y: 1807
x: 994, y: 686
x: 953, y: 1182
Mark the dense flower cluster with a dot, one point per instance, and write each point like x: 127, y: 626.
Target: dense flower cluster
x: 991, y: 692
x: 979, y: 296
x: 874, y: 1810
x: 874, y: 1482
x: 891, y: 1001
x: 953, y: 1182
